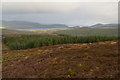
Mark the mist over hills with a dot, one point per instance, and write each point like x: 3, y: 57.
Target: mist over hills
x: 103, y: 25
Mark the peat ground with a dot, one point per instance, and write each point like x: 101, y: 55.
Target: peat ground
x: 87, y: 60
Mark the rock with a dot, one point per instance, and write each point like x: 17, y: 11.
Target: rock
x: 61, y: 47
x: 113, y: 42
x: 90, y: 43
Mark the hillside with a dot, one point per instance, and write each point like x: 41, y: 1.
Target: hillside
x: 96, y: 60
x: 7, y: 32
x: 29, y: 25
x: 103, y: 25
x: 89, y: 32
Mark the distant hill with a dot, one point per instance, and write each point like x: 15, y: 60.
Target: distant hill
x: 74, y: 27
x: 32, y: 25
x: 85, y: 27
x: 89, y: 32
x: 29, y: 25
x: 104, y: 25
x: 6, y: 31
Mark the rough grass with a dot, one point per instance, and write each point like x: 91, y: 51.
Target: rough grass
x: 96, y: 60
x: 8, y: 56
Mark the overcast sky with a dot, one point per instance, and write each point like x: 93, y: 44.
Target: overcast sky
x: 69, y: 13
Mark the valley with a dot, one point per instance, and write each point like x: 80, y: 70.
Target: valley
x: 70, y: 53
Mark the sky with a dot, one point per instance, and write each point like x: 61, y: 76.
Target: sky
x: 69, y: 13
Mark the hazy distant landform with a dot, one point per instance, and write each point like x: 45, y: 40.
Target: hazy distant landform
x: 25, y: 25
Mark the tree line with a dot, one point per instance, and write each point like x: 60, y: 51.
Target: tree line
x: 34, y: 41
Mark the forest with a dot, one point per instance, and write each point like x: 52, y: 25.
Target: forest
x: 89, y: 32
x: 34, y: 41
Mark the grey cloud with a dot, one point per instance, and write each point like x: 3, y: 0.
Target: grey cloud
x: 65, y: 13
x: 40, y: 7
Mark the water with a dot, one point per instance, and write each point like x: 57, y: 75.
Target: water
x: 43, y: 29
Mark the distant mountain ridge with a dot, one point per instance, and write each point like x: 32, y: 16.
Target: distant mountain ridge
x: 30, y: 25
x: 14, y: 25
x: 104, y: 25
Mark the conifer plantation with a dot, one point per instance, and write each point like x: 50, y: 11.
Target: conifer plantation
x: 34, y: 41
